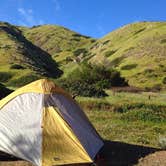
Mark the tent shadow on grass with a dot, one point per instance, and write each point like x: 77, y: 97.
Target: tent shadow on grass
x: 122, y: 154
x: 112, y: 154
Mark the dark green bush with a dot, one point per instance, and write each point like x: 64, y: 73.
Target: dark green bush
x: 69, y: 59
x: 106, y: 42
x: 109, y: 53
x: 117, y: 80
x: 76, y: 35
x: 90, y: 80
x: 16, y: 66
x: 147, y: 71
x: 76, y: 39
x: 115, y: 62
x: 93, y: 40
x: 128, y: 49
x: 163, y: 41
x: 79, y: 51
x: 145, y: 115
x: 5, y: 76
x: 139, y: 31
x: 164, y: 80
x: 129, y: 67
x: 82, y: 88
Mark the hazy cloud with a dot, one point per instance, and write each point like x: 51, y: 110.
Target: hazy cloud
x: 57, y: 5
x: 28, y: 18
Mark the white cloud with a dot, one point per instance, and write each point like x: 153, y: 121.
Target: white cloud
x: 30, y: 11
x: 27, y: 17
x: 21, y: 11
x: 57, y: 5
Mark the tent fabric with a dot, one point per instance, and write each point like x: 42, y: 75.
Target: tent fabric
x: 42, y: 124
x: 43, y: 86
x: 78, y: 121
x: 63, y: 138
x: 20, y: 127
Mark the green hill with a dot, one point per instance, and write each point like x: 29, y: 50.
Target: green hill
x: 20, y: 60
x: 62, y: 43
x: 138, y: 50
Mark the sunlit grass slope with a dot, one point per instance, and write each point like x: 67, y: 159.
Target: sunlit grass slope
x: 138, y: 50
x: 58, y: 41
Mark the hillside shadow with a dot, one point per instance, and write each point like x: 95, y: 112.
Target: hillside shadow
x: 122, y: 154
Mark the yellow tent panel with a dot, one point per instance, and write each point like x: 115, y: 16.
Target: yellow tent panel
x: 60, y: 145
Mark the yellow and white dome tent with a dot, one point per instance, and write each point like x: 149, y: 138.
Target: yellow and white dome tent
x: 42, y: 124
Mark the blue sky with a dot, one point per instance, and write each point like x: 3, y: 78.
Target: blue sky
x: 89, y: 17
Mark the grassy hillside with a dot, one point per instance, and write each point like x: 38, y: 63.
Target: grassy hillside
x: 20, y: 60
x: 138, y: 50
x: 62, y: 43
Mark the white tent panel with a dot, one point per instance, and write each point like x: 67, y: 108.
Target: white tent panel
x: 20, y: 127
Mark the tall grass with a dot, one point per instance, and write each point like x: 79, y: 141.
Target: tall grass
x: 127, y: 117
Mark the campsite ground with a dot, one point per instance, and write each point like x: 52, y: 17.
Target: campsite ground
x: 116, y: 154
x: 133, y: 125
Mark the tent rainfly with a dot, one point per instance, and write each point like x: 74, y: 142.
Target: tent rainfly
x: 42, y: 124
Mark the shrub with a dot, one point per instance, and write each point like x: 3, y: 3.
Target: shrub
x: 4, y: 76
x: 115, y: 62
x: 91, y: 80
x: 69, y: 59
x: 163, y: 41
x: 128, y: 49
x: 143, y: 114
x: 93, y: 40
x: 76, y: 35
x: 129, y: 67
x: 76, y: 39
x: 109, y: 53
x: 164, y: 80
x: 139, y: 31
x: 79, y: 51
x: 16, y: 66
x: 147, y: 71
x: 81, y: 88
x: 106, y: 42
x: 117, y: 80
